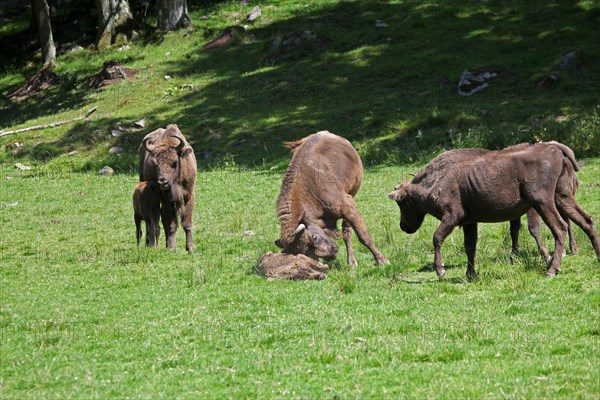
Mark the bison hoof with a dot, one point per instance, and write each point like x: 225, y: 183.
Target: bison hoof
x: 382, y: 261
x: 441, y: 273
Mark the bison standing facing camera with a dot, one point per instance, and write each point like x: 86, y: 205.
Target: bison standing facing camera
x: 168, y: 159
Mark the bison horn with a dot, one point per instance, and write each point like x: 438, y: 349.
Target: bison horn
x: 148, y: 145
x: 299, y: 229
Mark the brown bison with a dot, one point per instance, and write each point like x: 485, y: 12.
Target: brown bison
x: 318, y: 189
x: 146, y: 207
x: 533, y: 219
x: 493, y: 187
x: 168, y: 159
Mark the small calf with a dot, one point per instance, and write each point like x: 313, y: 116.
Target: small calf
x: 290, y: 266
x: 146, y: 207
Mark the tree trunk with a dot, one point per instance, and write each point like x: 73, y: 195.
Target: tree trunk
x: 172, y: 15
x: 115, y: 22
x: 42, y: 16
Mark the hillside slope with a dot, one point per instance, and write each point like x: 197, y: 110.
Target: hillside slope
x: 383, y: 74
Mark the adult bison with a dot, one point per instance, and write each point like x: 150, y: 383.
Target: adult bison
x: 318, y: 189
x: 168, y: 159
x: 494, y: 186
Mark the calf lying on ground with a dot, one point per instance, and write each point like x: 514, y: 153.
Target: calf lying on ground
x: 289, y: 266
x: 493, y: 187
x: 146, y: 207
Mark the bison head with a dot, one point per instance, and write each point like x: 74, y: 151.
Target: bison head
x: 411, y: 216
x: 312, y: 241
x: 166, y: 152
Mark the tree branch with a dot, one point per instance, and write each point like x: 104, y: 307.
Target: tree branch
x: 51, y: 125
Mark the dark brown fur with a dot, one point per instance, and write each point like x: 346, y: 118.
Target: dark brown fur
x: 493, y: 187
x: 318, y: 189
x: 289, y: 266
x: 168, y: 159
x: 146, y: 207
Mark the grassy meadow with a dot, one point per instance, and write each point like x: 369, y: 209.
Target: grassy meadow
x: 86, y: 313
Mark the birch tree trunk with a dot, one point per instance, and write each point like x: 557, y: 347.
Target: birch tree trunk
x: 115, y: 22
x: 42, y: 17
x: 172, y: 15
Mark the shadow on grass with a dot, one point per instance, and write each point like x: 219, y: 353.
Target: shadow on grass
x: 391, y: 91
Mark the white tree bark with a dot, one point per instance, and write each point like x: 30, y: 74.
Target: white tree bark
x: 114, y: 17
x: 172, y: 14
x: 42, y: 17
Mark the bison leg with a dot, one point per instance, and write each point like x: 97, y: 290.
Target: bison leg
x: 350, y: 214
x: 515, y: 227
x: 138, y: 227
x: 169, y: 221
x: 152, y: 230
x: 347, y: 235
x: 572, y: 242
x: 533, y: 224
x: 449, y: 222
x: 470, y: 241
x: 557, y: 226
x: 186, y: 222
x: 569, y: 207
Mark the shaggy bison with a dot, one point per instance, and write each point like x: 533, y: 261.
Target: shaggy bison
x: 146, y: 207
x: 494, y: 186
x: 318, y: 189
x: 168, y: 159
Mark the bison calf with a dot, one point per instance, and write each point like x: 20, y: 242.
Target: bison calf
x: 146, y: 207
x: 289, y: 266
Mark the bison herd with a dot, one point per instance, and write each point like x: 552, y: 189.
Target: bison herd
x: 461, y: 188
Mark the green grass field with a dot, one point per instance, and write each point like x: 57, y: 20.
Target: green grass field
x: 86, y: 313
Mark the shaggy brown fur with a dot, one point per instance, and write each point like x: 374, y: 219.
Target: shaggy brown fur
x: 168, y: 159
x: 318, y: 189
x: 146, y: 207
x: 289, y: 266
x: 493, y: 187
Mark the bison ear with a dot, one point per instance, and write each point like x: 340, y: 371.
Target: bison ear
x: 185, y: 152
x: 396, y: 195
x: 279, y: 244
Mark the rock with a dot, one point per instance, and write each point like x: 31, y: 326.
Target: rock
x: 289, y: 266
x: 292, y: 41
x: 140, y: 123
x: 106, y: 171
x: 249, y: 232
x: 116, y: 133
x: 549, y: 81
x: 22, y: 167
x: 254, y: 14
x: 470, y: 83
x: 226, y: 37
x: 568, y: 60
x: 168, y: 77
x: 115, y: 150
x: 381, y: 24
